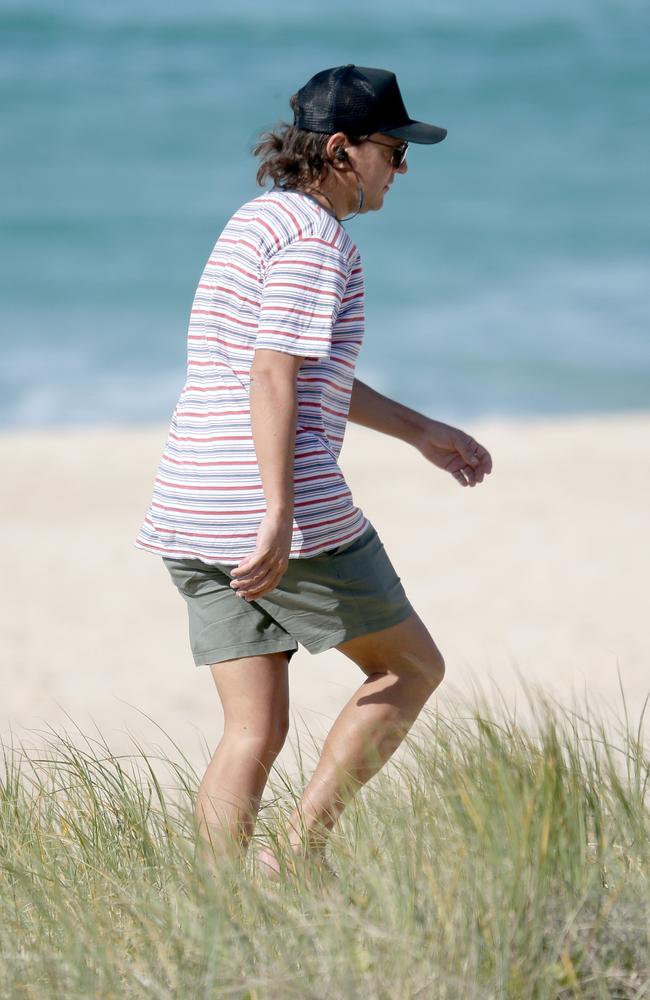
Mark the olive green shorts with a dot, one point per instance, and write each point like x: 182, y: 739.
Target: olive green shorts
x: 320, y: 602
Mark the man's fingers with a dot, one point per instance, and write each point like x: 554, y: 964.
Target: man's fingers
x: 468, y: 449
x: 476, y: 456
x: 254, y: 583
x: 467, y: 476
x: 486, y: 463
x: 476, y: 463
x: 251, y: 566
x: 247, y: 586
x: 253, y: 595
x: 252, y: 576
x: 261, y: 587
x: 247, y: 565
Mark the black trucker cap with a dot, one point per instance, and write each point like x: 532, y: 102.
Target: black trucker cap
x: 358, y: 100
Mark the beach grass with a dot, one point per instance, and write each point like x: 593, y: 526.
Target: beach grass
x: 493, y: 860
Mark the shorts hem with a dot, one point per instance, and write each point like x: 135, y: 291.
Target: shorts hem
x: 363, y: 628
x: 236, y: 650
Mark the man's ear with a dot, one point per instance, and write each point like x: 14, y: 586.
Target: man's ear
x: 335, y: 149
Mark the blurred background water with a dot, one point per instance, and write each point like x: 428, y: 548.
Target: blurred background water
x: 507, y: 274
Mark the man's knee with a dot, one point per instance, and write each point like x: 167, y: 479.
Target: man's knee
x: 263, y: 743
x: 276, y: 733
x: 436, y: 668
x: 421, y: 665
x: 406, y: 650
x: 426, y: 665
x: 419, y: 661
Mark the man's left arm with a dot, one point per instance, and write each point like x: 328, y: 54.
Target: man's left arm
x: 447, y: 447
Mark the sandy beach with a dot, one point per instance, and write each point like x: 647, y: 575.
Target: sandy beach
x: 540, y: 573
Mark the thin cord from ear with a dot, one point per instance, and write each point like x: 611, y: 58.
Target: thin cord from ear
x: 309, y: 191
x: 362, y: 200
x: 361, y: 194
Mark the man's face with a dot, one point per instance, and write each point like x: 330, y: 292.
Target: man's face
x: 372, y: 160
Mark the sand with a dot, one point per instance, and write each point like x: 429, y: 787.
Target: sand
x: 539, y: 573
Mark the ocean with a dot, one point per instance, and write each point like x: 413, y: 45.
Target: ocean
x: 508, y: 273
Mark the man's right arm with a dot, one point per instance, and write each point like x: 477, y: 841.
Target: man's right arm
x: 274, y: 411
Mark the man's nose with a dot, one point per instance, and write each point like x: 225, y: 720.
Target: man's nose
x: 403, y: 167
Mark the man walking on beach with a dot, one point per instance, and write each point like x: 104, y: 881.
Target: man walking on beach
x: 251, y: 512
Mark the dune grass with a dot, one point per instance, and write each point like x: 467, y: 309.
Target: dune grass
x: 491, y: 861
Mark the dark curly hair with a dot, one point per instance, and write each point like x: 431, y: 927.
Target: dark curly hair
x: 293, y: 158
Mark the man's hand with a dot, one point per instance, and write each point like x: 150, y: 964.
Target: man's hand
x: 454, y: 451
x: 263, y: 569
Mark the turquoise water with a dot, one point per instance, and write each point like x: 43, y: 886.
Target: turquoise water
x: 507, y: 274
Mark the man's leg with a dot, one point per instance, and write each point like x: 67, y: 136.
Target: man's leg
x: 254, y: 692
x: 404, y: 667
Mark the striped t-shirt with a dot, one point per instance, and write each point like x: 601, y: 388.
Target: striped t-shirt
x: 284, y: 275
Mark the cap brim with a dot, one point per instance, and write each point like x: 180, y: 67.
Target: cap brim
x: 418, y: 132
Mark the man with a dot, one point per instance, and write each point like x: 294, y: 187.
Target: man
x: 251, y: 512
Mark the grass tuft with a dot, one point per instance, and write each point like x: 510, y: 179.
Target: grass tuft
x: 493, y: 860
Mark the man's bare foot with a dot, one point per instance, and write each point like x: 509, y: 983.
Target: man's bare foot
x: 269, y: 865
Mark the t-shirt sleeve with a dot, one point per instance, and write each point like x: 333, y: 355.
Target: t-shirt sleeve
x: 303, y: 287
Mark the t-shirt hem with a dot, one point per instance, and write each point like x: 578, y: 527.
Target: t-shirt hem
x: 230, y: 560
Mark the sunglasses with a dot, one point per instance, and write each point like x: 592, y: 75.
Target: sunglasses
x: 398, y: 153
